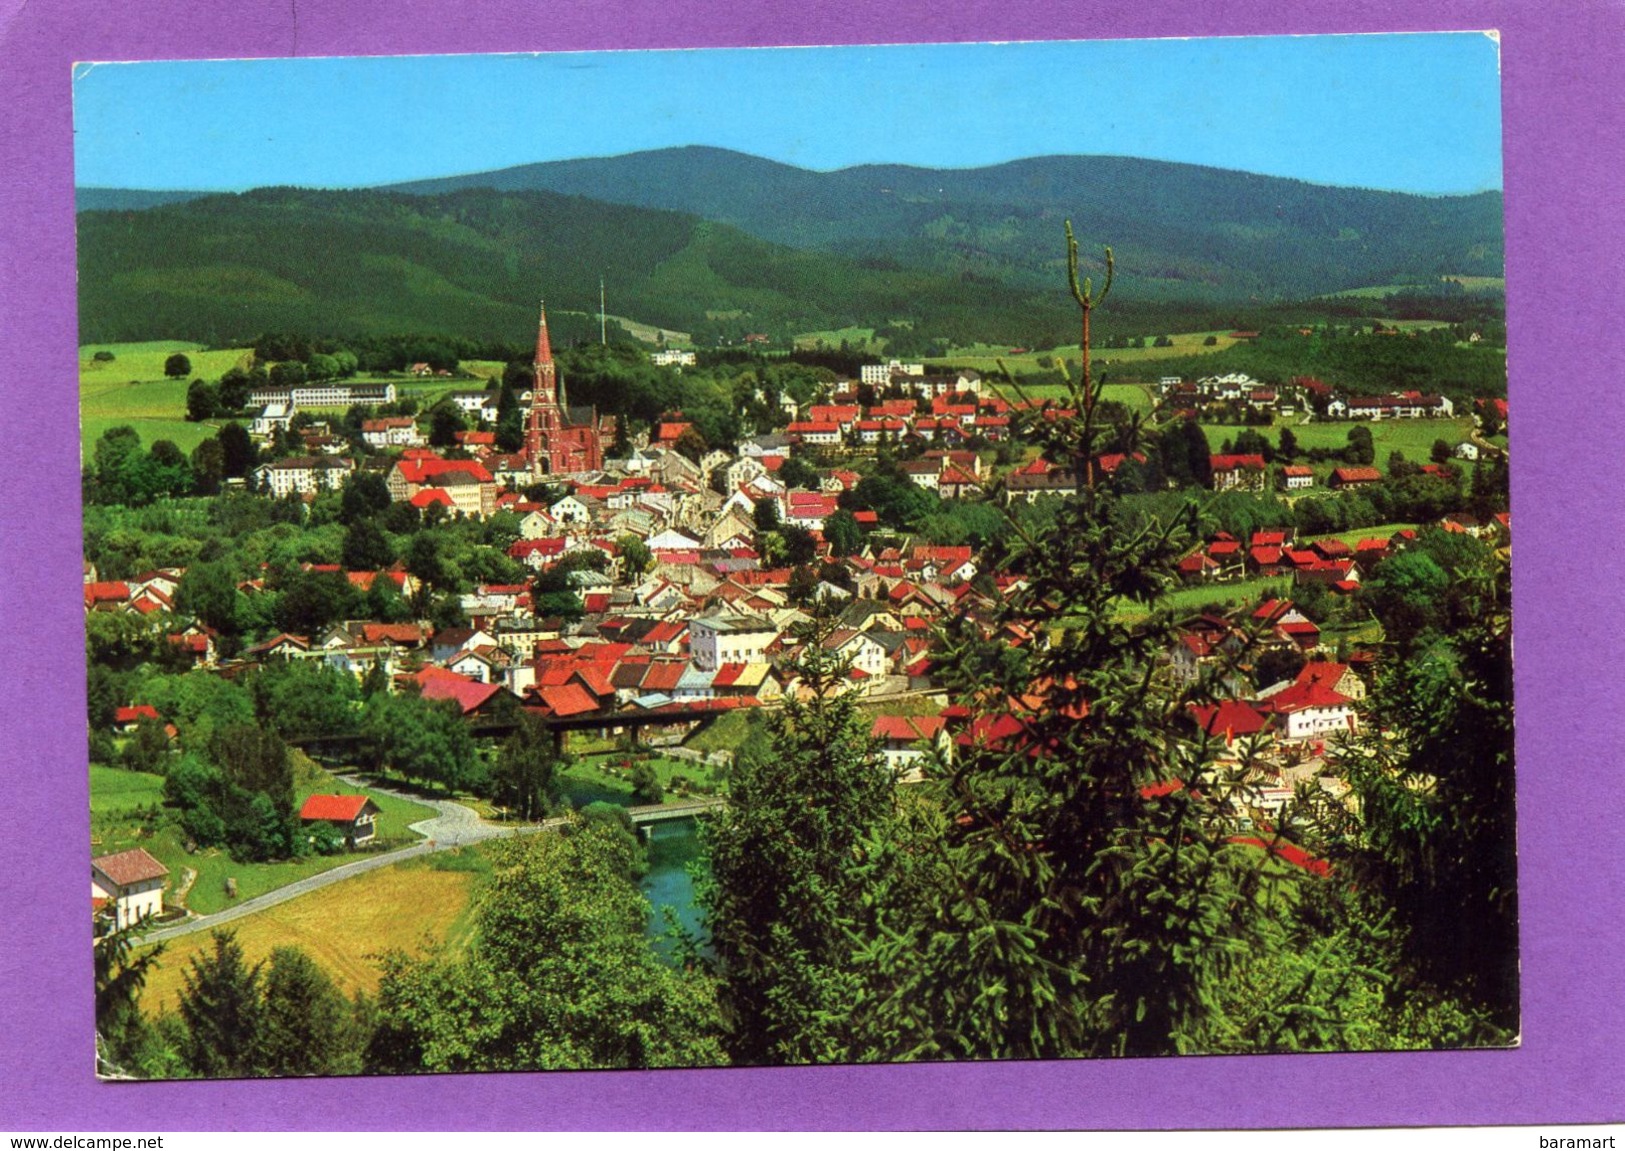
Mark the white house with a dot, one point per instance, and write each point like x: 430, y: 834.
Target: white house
x: 304, y: 474
x: 858, y: 648
x: 392, y: 432
x: 131, y: 883
x: 275, y: 414
x: 1311, y: 710
x: 482, y: 405
x: 716, y: 639
x: 905, y: 741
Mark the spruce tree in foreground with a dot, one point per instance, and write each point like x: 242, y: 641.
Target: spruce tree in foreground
x: 787, y: 868
x: 1084, y: 892
x: 223, y: 1012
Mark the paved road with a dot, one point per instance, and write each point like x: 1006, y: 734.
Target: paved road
x: 452, y: 826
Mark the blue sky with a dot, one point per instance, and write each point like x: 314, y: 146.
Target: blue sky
x: 1415, y: 113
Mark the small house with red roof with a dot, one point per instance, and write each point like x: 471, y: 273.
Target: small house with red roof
x: 1296, y: 477
x: 906, y: 740
x: 1266, y: 560
x: 1199, y: 568
x: 106, y: 595
x: 127, y: 719
x: 1238, y: 473
x: 471, y: 696
x: 352, y: 817
x: 1231, y: 720
x: 1354, y: 477
x: 1339, y: 677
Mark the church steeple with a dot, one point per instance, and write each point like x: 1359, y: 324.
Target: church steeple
x: 544, y: 346
x: 556, y: 446
x: 548, y: 391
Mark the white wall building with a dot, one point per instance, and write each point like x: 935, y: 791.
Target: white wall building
x: 716, y: 639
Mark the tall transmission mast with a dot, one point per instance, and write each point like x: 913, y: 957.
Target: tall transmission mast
x: 603, y: 336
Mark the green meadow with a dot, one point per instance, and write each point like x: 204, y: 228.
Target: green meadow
x: 120, y: 803
x: 132, y: 389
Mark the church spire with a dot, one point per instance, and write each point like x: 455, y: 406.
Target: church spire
x: 544, y: 346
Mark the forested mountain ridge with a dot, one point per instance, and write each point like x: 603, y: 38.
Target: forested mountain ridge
x: 1188, y: 231
x: 472, y: 263
x: 720, y: 244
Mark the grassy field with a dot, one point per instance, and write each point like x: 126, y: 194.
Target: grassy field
x: 1132, y: 396
x: 342, y: 927
x: 856, y: 339
x: 986, y: 357
x: 132, y: 389
x: 1353, y: 538
x: 603, y: 770
x: 1378, y: 291
x: 1188, y: 599
x: 114, y: 791
x: 1414, y: 438
x: 118, y: 798
x: 724, y: 733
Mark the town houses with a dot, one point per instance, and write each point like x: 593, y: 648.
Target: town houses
x: 638, y: 579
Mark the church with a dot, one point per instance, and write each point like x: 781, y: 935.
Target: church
x: 561, y: 440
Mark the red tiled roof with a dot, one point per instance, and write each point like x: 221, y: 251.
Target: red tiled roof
x: 334, y: 808
x: 1356, y: 475
x: 106, y: 590
x: 663, y: 675
x: 1230, y: 718
x: 127, y: 867
x: 907, y: 728
x: 1323, y: 672
x: 570, y: 699
x: 438, y: 683
x: 1304, y: 694
x: 430, y: 496
x: 135, y: 714
x: 1235, y: 463
x: 417, y: 470
x: 410, y: 634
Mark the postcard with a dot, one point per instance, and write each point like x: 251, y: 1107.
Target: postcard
x: 770, y: 557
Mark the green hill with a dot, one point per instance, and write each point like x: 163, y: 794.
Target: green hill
x: 1180, y: 230
x: 721, y: 244
x: 222, y: 268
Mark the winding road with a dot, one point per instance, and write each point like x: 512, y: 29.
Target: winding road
x: 451, y: 827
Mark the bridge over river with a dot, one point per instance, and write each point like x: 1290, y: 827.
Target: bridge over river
x: 664, y: 812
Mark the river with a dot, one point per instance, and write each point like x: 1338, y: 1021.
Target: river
x: 673, y: 846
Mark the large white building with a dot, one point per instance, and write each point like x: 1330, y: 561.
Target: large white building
x: 304, y: 474
x: 716, y: 639
x: 326, y: 395
x: 882, y: 373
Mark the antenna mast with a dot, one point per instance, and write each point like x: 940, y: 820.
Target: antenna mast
x: 603, y: 337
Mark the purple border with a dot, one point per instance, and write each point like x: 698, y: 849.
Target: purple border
x: 1563, y: 165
